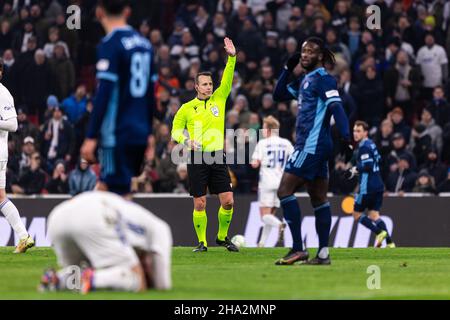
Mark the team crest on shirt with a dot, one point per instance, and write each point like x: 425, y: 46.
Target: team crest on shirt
x: 215, y: 111
x: 306, y: 85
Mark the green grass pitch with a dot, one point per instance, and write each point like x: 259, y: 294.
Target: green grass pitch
x: 406, y: 273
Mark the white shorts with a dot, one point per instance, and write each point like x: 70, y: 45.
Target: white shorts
x: 268, y: 198
x: 3, y: 166
x: 95, y: 236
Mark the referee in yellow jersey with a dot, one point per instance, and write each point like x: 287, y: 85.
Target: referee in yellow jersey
x: 204, y: 119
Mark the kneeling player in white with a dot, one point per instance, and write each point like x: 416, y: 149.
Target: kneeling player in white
x: 8, y: 123
x: 125, y: 246
x: 271, y: 155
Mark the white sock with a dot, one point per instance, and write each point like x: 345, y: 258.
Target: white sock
x: 265, y: 233
x: 120, y: 278
x: 11, y: 214
x: 323, y: 253
x: 270, y: 219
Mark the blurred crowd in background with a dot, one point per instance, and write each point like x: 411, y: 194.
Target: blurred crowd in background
x: 395, y: 78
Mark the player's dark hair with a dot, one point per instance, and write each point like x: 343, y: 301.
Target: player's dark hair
x: 203, y: 73
x: 114, y: 7
x: 1, y: 64
x: 328, y: 56
x: 363, y: 124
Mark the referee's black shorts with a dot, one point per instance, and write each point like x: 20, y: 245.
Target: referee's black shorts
x: 208, y: 170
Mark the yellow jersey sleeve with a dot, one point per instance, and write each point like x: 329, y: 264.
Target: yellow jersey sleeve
x: 178, y: 125
x: 226, y: 83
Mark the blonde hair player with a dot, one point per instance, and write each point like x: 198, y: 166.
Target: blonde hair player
x: 270, y: 155
x: 8, y: 123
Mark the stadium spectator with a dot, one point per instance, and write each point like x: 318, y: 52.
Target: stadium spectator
x: 420, y: 143
x: 28, y: 149
x: 284, y: 115
x: 182, y: 179
x: 400, y: 126
x: 432, y: 129
x: 266, y: 32
x: 435, y: 167
x: 446, y: 149
x: 37, y: 84
x: 82, y: 178
x: 6, y: 35
x: 445, y: 186
x: 433, y: 61
x: 52, y: 103
x: 53, y: 39
x: 370, y: 88
x: 75, y: 106
x: 64, y: 71
x: 268, y: 106
x: 147, y: 180
x: 32, y: 180
x: 25, y: 128
x: 58, y: 139
x: 402, y: 179
x: 167, y: 170
x: 399, y: 149
x: 402, y: 82
x: 439, y: 107
x: 20, y: 40
x: 424, y: 183
x: 242, y: 108
x: 58, y: 183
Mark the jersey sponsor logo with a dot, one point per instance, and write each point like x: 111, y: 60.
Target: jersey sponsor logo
x: 215, y: 111
x: 306, y: 85
x: 365, y: 156
x: 103, y: 65
x: 8, y: 108
x: 332, y: 93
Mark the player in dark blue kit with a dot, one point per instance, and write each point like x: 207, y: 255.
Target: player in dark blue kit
x: 121, y: 120
x: 371, y: 187
x: 318, y: 100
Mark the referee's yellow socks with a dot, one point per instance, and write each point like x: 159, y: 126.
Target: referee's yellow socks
x: 200, y: 221
x: 224, y: 222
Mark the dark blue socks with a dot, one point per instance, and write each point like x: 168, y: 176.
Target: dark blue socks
x: 365, y: 221
x: 292, y: 215
x: 323, y: 224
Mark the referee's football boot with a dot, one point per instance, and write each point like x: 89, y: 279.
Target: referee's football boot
x: 317, y: 261
x: 292, y: 257
x: 201, y: 247
x: 227, y: 244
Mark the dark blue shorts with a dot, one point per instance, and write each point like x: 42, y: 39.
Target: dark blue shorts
x: 119, y: 165
x: 307, y: 166
x: 370, y: 201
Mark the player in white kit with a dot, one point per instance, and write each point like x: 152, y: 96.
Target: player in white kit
x: 8, y: 123
x: 271, y: 155
x: 119, y: 244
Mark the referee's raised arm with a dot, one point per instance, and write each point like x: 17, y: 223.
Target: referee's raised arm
x: 227, y: 77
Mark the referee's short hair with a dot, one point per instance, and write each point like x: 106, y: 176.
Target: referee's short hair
x: 203, y: 73
x: 363, y: 124
x: 271, y: 122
